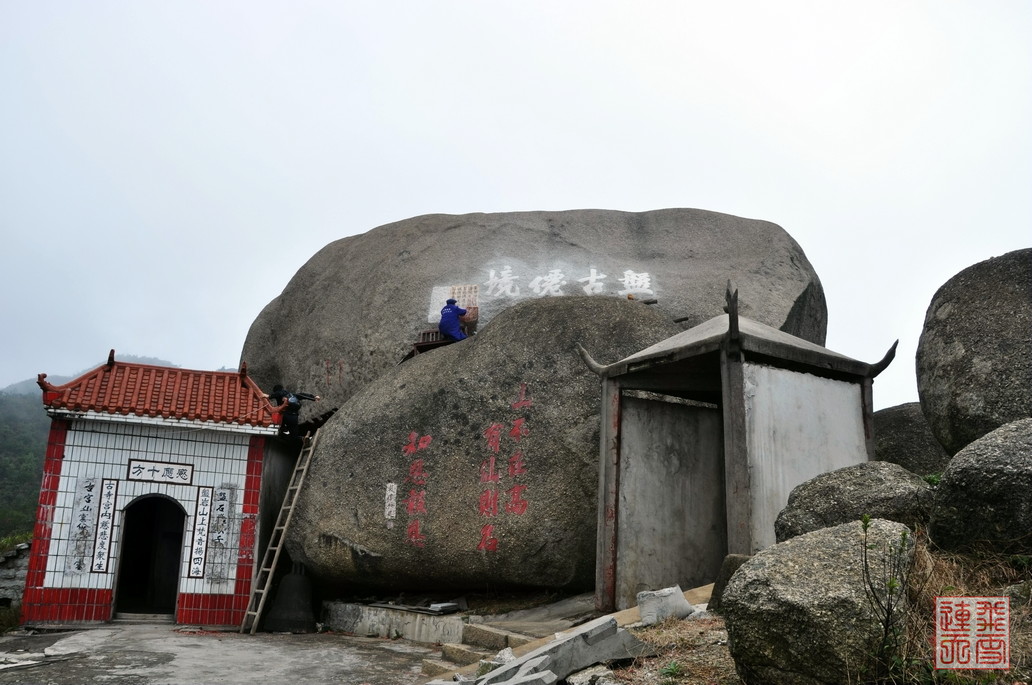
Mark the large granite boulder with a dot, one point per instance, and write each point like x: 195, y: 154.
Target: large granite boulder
x: 876, y: 488
x: 797, y: 613
x: 984, y: 499
x: 473, y: 464
x: 974, y: 359
x: 902, y: 436
x: 354, y: 309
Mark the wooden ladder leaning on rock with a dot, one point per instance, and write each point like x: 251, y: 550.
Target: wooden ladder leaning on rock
x: 263, y: 581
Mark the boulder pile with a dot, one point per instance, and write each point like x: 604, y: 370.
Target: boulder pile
x: 876, y: 488
x: 984, y: 500
x: 798, y: 612
x: 902, y: 436
x: 974, y: 358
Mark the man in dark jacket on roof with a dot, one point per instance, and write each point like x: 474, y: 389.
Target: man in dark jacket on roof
x: 290, y: 402
x: 449, y: 325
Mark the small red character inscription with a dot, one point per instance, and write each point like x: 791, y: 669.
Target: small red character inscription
x: 415, y: 502
x: 489, y: 503
x: 494, y: 436
x: 517, y: 505
x: 516, y: 465
x: 519, y: 430
x: 487, y: 471
x: 413, y: 536
x: 523, y: 401
x: 411, y: 447
x: 416, y: 474
x: 488, y: 542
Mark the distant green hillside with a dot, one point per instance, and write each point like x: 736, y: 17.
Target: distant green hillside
x: 24, y: 427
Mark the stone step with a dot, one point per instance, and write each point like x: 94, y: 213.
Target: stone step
x: 432, y: 667
x: 124, y: 617
x: 464, y: 654
x: 491, y: 638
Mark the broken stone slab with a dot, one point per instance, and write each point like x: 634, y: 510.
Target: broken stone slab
x: 532, y: 672
x: 498, y: 660
x: 594, y: 642
x: 656, y: 605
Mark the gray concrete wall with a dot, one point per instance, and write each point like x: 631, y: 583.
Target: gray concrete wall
x: 671, y: 523
x: 797, y: 426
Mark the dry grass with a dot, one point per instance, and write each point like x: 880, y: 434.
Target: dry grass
x: 698, y: 648
x: 939, y: 574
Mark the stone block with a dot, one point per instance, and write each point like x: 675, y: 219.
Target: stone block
x: 485, y: 636
x: 727, y: 569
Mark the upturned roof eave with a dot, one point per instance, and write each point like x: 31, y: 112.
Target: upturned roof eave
x: 754, y: 337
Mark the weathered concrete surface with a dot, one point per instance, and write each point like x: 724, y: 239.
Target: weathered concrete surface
x: 984, y: 499
x: 974, y: 358
x: 350, y: 313
x: 797, y: 613
x: 902, y: 436
x: 876, y: 488
x: 671, y: 469
x: 798, y: 426
x: 492, y: 447
x: 158, y: 654
x: 368, y: 621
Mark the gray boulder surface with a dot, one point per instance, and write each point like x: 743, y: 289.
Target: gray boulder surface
x: 974, y: 358
x: 877, y: 488
x: 797, y: 612
x: 474, y: 463
x: 355, y: 308
x: 902, y: 436
x: 984, y: 499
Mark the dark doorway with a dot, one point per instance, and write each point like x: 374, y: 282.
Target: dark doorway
x: 151, y: 552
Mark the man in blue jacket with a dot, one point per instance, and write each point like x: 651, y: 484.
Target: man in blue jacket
x: 449, y: 325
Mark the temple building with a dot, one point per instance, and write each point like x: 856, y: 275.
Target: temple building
x: 159, y: 486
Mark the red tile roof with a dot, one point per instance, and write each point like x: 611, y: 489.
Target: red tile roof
x: 145, y: 390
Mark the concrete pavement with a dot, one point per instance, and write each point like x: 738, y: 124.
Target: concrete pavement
x: 176, y: 654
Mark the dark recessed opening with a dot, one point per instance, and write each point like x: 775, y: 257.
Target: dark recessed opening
x: 151, y: 552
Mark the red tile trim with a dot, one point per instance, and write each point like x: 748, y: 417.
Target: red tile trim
x: 145, y: 390
x: 32, y: 599
x: 211, y: 609
x: 67, y: 604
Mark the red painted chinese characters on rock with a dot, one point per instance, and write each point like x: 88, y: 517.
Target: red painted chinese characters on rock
x: 492, y: 476
x: 415, y: 503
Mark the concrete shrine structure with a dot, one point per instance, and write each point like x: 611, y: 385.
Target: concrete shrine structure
x: 704, y: 435
x: 159, y: 487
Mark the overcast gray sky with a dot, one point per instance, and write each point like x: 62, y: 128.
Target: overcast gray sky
x: 165, y: 168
